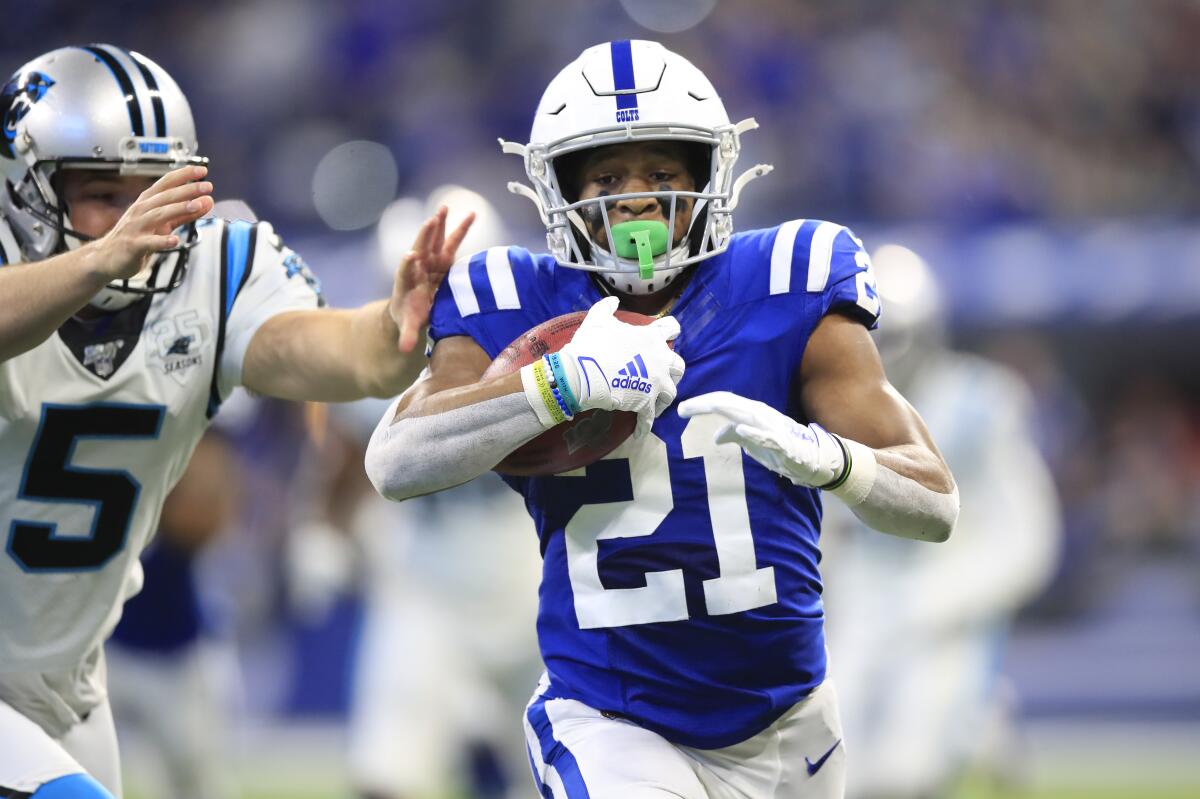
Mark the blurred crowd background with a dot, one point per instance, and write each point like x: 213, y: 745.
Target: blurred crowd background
x: 1043, y: 158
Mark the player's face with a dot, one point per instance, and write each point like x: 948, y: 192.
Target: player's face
x: 95, y: 200
x: 636, y: 167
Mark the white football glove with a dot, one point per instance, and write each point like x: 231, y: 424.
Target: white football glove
x: 617, y: 366
x: 808, y: 455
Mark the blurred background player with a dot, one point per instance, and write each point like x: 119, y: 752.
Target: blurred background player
x: 446, y: 650
x: 174, y: 646
x: 169, y: 651
x: 917, y: 634
x: 124, y: 318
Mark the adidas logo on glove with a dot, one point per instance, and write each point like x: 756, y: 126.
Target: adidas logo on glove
x: 633, y: 372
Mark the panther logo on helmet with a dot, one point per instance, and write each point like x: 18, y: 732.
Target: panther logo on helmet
x: 16, y: 99
x: 107, y: 94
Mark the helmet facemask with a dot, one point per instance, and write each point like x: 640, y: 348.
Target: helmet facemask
x: 677, y: 104
x: 656, y: 248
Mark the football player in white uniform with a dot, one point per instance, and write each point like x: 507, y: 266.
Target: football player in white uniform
x: 125, y: 320
x: 917, y: 633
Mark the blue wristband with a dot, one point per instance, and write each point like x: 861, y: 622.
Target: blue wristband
x: 558, y: 397
x: 560, y: 377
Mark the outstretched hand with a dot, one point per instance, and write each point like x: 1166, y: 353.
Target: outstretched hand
x: 148, y: 225
x: 421, y: 272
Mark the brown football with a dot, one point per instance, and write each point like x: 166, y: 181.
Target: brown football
x: 571, y: 445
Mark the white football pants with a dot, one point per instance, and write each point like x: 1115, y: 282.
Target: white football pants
x: 578, y: 753
x: 29, y: 757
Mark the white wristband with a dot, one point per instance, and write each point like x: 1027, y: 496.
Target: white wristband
x: 861, y: 478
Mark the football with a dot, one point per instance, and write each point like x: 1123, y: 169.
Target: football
x: 571, y: 445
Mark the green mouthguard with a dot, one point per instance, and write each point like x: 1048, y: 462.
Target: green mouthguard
x: 641, y: 239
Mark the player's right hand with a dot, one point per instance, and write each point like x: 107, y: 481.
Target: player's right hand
x: 622, y: 367
x: 148, y: 225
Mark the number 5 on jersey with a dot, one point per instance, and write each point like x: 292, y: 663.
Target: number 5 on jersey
x: 51, y: 478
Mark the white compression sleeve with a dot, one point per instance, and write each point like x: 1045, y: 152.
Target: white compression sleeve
x: 891, y: 503
x: 423, y: 454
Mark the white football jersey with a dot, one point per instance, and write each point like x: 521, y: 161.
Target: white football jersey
x: 97, y: 424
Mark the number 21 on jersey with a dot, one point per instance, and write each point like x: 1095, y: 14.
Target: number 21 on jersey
x: 740, y: 586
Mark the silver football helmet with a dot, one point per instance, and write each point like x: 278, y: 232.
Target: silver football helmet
x: 633, y: 91
x: 91, y: 107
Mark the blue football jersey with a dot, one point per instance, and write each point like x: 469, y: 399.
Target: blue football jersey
x: 680, y: 586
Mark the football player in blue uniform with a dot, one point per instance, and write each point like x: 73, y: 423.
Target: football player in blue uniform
x: 680, y: 615
x: 125, y: 321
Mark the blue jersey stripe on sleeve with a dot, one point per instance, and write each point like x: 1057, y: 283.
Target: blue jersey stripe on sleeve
x: 459, y: 281
x: 237, y: 250
x: 500, y: 275
x: 820, y: 255
x: 781, y: 256
x: 214, y: 391
x: 237, y: 260
x: 477, y: 270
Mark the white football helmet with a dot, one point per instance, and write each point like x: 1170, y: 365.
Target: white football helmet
x: 633, y: 91
x: 92, y: 107
x: 916, y: 313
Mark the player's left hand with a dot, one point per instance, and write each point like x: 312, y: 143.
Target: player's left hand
x: 421, y: 272
x: 808, y: 455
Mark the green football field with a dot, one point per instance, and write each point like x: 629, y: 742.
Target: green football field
x: 1085, y: 789
x: 1087, y: 761
x: 1060, y: 792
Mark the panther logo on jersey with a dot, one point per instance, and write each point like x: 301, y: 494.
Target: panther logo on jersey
x: 178, y: 345
x: 181, y: 346
x: 16, y: 99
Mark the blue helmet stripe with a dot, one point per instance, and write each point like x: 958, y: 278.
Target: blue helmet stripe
x: 160, y: 112
x: 126, y: 86
x: 622, y: 65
